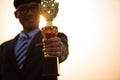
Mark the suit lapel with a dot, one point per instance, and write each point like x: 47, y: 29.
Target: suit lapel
x: 37, y: 41
x: 11, y: 52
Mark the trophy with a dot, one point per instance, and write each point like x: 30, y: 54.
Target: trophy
x: 49, y: 10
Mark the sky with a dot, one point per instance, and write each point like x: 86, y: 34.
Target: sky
x: 93, y: 30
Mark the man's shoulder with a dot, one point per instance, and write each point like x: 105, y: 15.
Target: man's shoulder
x: 8, y: 42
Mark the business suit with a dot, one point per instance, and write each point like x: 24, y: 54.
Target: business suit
x: 33, y: 65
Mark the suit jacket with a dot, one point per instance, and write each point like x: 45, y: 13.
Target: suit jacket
x: 33, y: 66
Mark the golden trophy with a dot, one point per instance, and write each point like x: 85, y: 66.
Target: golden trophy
x: 49, y: 10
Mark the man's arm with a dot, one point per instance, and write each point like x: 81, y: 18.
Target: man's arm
x: 65, y: 47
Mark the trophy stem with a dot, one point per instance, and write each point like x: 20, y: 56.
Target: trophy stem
x: 49, y: 23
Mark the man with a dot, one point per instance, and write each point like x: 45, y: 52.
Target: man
x: 22, y: 58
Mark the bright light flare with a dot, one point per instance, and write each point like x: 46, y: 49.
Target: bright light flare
x: 42, y: 22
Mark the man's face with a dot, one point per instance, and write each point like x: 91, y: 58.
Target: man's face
x: 28, y: 15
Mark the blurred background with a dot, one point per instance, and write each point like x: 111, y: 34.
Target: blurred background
x: 93, y: 30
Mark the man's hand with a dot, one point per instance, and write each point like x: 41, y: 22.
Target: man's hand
x: 52, y: 46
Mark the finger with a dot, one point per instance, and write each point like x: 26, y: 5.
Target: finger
x: 55, y: 44
x: 55, y: 49
x: 51, y: 40
x: 53, y: 53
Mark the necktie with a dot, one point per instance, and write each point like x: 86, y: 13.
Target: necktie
x: 21, y: 52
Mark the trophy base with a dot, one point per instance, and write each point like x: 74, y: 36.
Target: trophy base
x: 51, y: 66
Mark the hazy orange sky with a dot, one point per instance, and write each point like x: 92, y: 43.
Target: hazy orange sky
x: 93, y: 29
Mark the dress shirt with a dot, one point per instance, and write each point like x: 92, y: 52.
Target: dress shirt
x: 31, y: 35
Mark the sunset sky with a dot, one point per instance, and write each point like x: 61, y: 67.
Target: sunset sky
x: 93, y: 30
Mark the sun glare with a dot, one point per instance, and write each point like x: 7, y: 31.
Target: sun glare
x: 42, y: 22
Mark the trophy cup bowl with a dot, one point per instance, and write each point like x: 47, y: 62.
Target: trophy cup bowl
x: 49, y: 31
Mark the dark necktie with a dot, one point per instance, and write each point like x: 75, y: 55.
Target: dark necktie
x: 21, y: 52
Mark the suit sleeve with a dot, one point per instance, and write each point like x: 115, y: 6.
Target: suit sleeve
x: 0, y: 62
x: 1, y: 59
x: 65, y: 46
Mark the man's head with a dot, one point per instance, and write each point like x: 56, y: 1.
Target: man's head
x: 19, y: 2
x: 28, y: 13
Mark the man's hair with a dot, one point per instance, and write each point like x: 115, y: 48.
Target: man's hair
x: 19, y: 2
